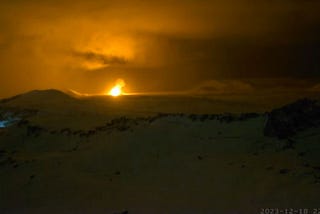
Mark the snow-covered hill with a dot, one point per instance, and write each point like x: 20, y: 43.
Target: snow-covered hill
x: 72, y: 159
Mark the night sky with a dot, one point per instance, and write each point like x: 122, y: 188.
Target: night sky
x: 239, y: 46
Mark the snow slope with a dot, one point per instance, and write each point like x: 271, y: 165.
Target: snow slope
x: 165, y: 163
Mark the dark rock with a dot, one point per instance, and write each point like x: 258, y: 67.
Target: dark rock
x: 34, y: 131
x: 289, y: 144
x: 123, y: 128
x: 227, y: 118
x: 82, y: 133
x: 23, y: 123
x: 247, y: 116
x: 75, y: 148
x: 11, y: 160
x: 284, y: 171
x: 316, y: 178
x: 316, y: 168
x: 306, y: 164
x: 53, y: 132
x: 65, y: 131
x: 269, y: 168
x: 204, y: 117
x: 193, y: 117
x: 301, y: 154
x: 90, y: 133
x: 288, y: 120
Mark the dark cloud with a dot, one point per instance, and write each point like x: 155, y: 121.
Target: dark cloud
x: 240, y: 58
x: 101, y: 58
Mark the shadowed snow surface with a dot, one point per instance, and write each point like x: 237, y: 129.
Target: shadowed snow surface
x: 59, y: 161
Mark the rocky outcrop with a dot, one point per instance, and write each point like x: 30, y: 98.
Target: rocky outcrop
x: 288, y: 120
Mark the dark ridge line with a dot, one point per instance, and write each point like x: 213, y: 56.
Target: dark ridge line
x: 35, y: 93
x: 6, y: 100
x: 125, y: 123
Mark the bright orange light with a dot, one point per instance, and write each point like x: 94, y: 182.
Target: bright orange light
x: 117, y: 89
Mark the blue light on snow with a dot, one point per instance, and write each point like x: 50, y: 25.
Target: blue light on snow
x: 8, y: 122
x: 3, y: 123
